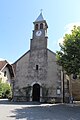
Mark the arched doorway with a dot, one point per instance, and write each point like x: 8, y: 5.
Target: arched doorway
x: 36, y: 92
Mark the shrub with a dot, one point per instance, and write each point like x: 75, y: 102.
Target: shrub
x: 5, y: 90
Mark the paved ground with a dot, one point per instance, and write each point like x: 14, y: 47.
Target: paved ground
x: 35, y: 111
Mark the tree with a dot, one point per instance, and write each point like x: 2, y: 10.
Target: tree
x: 69, y: 55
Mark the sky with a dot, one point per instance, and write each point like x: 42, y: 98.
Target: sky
x: 16, y: 23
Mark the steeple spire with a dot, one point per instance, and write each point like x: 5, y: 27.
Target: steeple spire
x: 40, y: 17
x: 40, y: 22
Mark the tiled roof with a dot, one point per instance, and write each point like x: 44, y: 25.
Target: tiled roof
x: 2, y: 64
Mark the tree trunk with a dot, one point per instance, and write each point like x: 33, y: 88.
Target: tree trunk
x: 70, y: 89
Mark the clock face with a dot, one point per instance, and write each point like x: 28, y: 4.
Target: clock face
x: 38, y: 33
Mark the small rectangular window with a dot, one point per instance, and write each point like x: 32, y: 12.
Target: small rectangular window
x: 36, y: 67
x: 4, y: 73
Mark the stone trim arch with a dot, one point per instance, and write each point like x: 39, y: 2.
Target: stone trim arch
x: 36, y: 83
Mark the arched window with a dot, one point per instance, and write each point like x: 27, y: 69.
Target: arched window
x: 36, y: 27
x: 41, y: 26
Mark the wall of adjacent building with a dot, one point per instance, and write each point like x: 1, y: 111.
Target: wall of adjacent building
x: 76, y: 89
x: 5, y: 78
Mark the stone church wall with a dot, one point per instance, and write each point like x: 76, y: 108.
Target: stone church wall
x: 23, y: 85
x: 22, y: 71
x: 53, y: 79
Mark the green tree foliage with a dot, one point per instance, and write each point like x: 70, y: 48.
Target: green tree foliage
x: 5, y: 90
x: 69, y: 55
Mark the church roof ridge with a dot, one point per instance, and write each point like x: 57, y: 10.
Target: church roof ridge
x: 20, y: 57
x: 2, y: 64
x: 51, y: 51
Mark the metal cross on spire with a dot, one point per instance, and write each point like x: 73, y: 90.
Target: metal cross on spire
x: 41, y: 10
x: 40, y: 17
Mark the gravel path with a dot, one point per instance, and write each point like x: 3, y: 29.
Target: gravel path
x: 36, y: 111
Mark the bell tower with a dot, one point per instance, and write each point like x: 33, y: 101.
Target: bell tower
x: 40, y: 27
x: 37, y: 71
x: 39, y: 36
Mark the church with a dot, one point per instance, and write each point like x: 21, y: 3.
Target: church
x: 37, y: 77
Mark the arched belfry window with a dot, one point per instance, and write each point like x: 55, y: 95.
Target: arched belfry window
x: 41, y: 26
x: 36, y: 27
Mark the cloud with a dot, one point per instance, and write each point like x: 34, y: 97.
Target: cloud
x: 60, y: 40
x: 1, y: 59
x: 67, y: 30
x: 69, y: 27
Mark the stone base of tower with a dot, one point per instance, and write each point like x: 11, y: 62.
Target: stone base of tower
x: 42, y: 99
